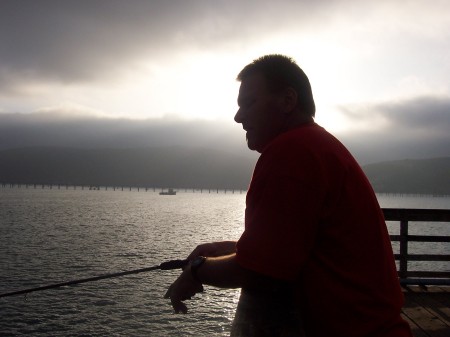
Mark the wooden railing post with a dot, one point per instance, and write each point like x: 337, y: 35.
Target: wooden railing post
x: 403, y: 272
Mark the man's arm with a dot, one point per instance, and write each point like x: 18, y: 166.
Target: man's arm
x: 214, y: 249
x: 223, y: 272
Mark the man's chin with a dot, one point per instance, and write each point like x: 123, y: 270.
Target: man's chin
x: 252, y: 146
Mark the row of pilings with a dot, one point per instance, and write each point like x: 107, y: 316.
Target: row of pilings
x: 157, y: 189
x: 116, y: 188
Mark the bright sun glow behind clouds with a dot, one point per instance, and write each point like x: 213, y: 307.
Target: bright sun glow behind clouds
x: 355, y: 53
x: 202, y: 85
x: 196, y: 86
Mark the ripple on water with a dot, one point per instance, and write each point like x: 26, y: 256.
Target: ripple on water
x: 58, y: 235
x: 51, y: 236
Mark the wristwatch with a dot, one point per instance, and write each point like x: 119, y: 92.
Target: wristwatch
x: 195, y: 264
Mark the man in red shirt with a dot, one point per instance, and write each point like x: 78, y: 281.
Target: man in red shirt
x: 315, y: 258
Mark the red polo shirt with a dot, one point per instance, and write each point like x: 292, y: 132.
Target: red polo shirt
x: 312, y: 218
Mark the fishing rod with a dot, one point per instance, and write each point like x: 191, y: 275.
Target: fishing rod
x: 173, y: 264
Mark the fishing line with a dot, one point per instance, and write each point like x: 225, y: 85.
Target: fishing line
x: 173, y: 264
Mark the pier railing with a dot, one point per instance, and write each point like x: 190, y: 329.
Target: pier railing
x: 419, y: 277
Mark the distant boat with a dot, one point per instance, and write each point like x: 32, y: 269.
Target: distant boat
x: 171, y: 191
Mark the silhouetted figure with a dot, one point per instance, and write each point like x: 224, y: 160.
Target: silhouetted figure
x: 315, y: 257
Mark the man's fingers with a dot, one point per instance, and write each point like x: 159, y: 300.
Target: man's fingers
x: 184, y: 288
x: 179, y: 306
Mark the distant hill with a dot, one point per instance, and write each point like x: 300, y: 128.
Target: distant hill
x: 418, y: 176
x: 183, y: 167
x: 179, y: 167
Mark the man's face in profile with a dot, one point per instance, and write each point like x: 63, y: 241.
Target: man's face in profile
x: 259, y: 112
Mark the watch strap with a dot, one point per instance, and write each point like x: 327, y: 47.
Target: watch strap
x: 195, y: 264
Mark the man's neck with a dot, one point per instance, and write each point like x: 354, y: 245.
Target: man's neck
x: 297, y: 119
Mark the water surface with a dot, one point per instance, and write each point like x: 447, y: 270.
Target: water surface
x: 49, y: 236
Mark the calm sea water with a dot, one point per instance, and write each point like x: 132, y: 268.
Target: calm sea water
x: 49, y: 236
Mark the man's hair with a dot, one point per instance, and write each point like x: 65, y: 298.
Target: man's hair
x: 281, y: 72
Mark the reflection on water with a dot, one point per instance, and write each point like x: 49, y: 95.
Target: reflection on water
x: 50, y: 236
x: 58, y: 235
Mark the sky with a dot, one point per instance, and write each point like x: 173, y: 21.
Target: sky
x: 112, y: 73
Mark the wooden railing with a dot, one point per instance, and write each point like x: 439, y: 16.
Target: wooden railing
x: 419, y: 277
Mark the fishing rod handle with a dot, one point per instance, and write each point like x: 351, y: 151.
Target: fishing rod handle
x: 174, y: 264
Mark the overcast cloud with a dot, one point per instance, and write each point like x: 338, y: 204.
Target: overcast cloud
x: 385, y: 131
x: 415, y: 128
x: 90, y: 39
x: 97, y: 73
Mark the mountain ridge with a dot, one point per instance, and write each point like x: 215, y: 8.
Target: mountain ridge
x: 191, y: 167
x: 411, y: 176
x: 175, y: 166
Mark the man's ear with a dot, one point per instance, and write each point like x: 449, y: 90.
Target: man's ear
x: 289, y: 100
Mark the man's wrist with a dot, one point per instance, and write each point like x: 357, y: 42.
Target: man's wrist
x: 195, y: 265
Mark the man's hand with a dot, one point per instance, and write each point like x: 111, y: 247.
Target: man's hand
x: 183, y: 289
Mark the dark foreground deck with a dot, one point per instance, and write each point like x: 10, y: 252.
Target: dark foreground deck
x: 427, y: 310
x: 427, y: 289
